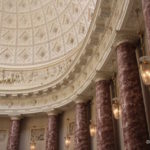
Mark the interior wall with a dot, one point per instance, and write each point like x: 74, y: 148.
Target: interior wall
x: 28, y: 124
x: 37, y: 123
x: 66, y: 127
x: 35, y: 128
x: 40, y: 122
x: 4, y: 131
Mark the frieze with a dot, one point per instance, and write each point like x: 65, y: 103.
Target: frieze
x: 34, y: 77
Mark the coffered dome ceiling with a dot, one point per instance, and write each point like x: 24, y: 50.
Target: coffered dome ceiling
x: 51, y: 51
x: 40, y: 39
x: 38, y: 31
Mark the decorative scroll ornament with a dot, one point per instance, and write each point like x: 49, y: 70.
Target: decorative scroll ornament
x: 27, y: 78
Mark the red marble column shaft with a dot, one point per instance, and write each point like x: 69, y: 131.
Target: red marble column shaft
x: 52, y: 133
x: 146, y: 13
x: 105, y: 132
x: 81, y: 127
x: 13, y: 139
x: 133, y: 114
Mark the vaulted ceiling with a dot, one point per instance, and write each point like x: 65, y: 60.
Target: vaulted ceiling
x: 39, y: 31
x: 39, y: 40
x: 51, y: 51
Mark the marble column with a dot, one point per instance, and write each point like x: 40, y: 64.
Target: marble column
x: 81, y: 126
x: 134, y: 124
x: 52, y: 132
x: 105, y: 132
x: 14, y: 133
x: 146, y: 13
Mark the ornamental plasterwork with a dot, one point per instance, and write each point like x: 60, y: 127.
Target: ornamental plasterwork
x: 39, y: 31
x: 96, y: 54
x: 34, y: 77
x: 39, y: 40
x: 37, y: 135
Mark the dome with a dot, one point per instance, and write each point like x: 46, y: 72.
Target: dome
x: 42, y: 31
x: 40, y: 39
x: 53, y: 51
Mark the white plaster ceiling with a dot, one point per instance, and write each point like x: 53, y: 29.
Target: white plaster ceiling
x: 40, y: 31
x: 31, y: 87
